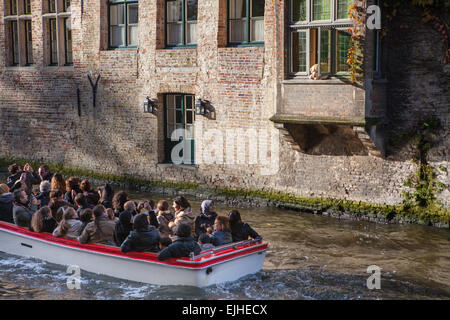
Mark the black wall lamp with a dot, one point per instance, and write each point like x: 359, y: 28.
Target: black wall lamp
x: 202, y: 107
x: 150, y: 106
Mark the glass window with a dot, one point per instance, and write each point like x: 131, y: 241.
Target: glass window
x: 342, y: 46
x: 28, y: 43
x: 123, y: 24
x: 298, y: 10
x: 26, y: 6
x: 68, y: 41
x: 14, y: 43
x: 325, y: 51
x: 342, y: 8
x: 321, y: 9
x: 299, y: 51
x: 66, y: 5
x: 181, y: 22
x: 51, y: 6
x: 12, y: 7
x: 246, y: 21
x: 53, y: 42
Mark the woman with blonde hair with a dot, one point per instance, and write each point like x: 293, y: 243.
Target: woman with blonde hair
x: 58, y: 183
x: 69, y: 227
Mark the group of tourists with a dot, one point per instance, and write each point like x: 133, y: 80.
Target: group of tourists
x: 72, y: 209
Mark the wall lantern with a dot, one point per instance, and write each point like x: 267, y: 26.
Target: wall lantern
x: 202, y: 107
x: 150, y: 105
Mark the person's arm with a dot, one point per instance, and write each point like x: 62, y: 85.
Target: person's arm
x: 214, y: 240
x: 127, y: 245
x: 165, y: 253
x: 84, y: 237
x: 253, y: 233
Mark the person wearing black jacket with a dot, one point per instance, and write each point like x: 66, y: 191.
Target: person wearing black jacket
x: 182, y: 246
x: 144, y: 237
x: 125, y: 224
x: 6, y: 204
x: 241, y: 231
x: 30, y: 179
x: 206, y: 218
x: 44, y: 195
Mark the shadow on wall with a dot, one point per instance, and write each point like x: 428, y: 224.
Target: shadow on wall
x: 331, y: 140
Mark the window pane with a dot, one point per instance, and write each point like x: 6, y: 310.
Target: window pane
x: 257, y: 8
x: 132, y: 11
x: 132, y: 35
x: 238, y: 31
x: 299, y: 51
x: 257, y: 30
x: 12, y: 7
x: 178, y: 116
x: 68, y: 40
x: 51, y: 5
x: 53, y: 42
x: 325, y: 51
x: 28, y: 43
x: 66, y: 5
x: 174, y: 34
x: 117, y: 36
x: 238, y: 9
x: 342, y: 9
x: 174, y: 11
x: 15, y: 43
x: 178, y: 100
x: 342, y: 46
x: 192, y: 6
x: 26, y: 6
x: 298, y: 10
x: 321, y: 9
x: 189, y: 100
x: 191, y: 33
x: 116, y: 14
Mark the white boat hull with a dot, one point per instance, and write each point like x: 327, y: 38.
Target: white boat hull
x: 208, y: 271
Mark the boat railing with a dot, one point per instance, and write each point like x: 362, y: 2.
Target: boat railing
x: 233, y: 245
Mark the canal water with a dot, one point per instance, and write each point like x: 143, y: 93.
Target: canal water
x: 310, y: 257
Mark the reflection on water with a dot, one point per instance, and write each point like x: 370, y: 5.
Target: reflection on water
x: 310, y: 257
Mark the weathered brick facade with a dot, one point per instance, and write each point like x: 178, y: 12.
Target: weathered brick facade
x: 246, y: 85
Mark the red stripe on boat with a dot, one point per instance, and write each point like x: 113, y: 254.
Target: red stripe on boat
x: 213, y: 258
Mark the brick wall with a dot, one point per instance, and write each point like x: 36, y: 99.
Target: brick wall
x: 39, y: 107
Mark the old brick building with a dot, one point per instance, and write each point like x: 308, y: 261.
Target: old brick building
x: 267, y: 125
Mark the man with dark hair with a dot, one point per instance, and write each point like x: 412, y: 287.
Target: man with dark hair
x: 44, y: 173
x: 81, y: 201
x: 182, y: 246
x: 16, y: 172
x: 22, y: 211
x: 144, y: 237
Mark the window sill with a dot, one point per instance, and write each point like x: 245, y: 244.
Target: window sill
x: 193, y: 46
x: 307, y: 80
x: 121, y: 48
x: 246, y: 44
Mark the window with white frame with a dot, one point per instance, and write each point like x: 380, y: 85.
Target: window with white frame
x: 18, y: 33
x: 318, y: 34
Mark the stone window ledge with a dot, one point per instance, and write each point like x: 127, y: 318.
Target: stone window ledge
x: 305, y: 80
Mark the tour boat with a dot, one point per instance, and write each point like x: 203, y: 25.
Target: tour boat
x: 221, y: 264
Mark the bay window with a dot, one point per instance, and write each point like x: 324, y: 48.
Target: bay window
x: 318, y: 34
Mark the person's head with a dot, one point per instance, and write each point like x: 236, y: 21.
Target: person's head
x: 45, y: 186
x: 164, y: 242
x: 183, y: 230
x: 140, y: 222
x: 207, y: 206
x: 119, y: 200
x: 85, y: 185
x: 37, y: 220
x: 58, y: 182
x: 69, y: 213
x: 20, y: 196
x: 222, y: 224
x: 56, y: 194
x: 43, y: 171
x: 72, y: 183
x: 86, y: 215
x: 14, y: 168
x: 80, y: 200
x: 110, y: 213
x: 163, y: 205
x: 180, y: 203
x: 129, y: 206
x: 105, y: 192
x: 4, y: 188
x: 99, y: 210
x: 204, y: 238
x: 235, y: 217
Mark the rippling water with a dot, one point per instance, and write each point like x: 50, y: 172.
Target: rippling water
x: 310, y: 257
